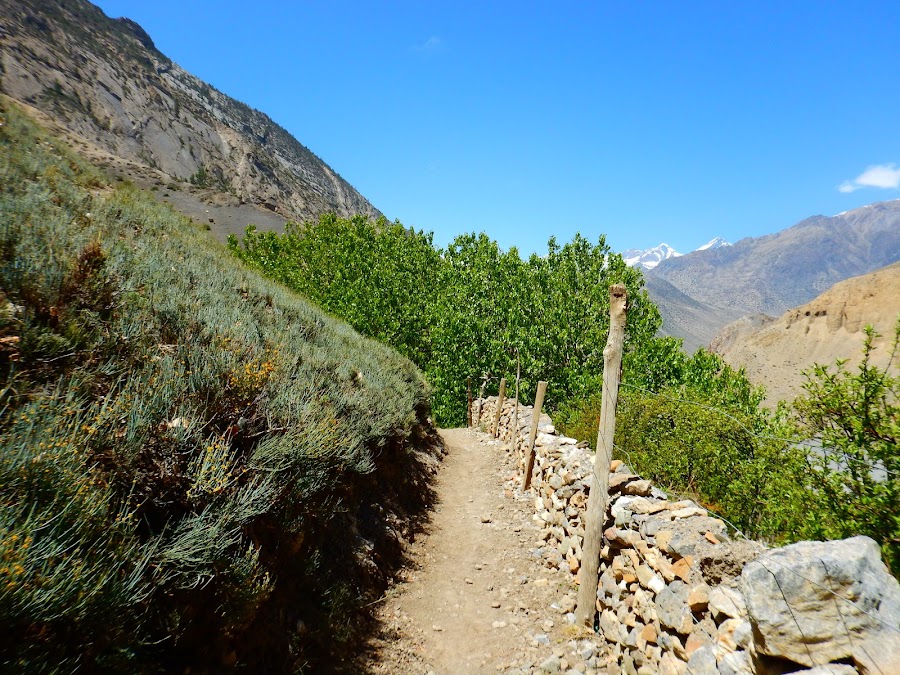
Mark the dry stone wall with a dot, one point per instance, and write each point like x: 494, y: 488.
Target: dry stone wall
x: 678, y: 594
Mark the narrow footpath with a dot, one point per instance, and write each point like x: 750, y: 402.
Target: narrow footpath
x: 477, y: 598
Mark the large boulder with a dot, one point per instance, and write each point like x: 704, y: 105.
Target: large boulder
x: 818, y: 602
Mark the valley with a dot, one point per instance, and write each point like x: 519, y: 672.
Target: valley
x: 248, y: 424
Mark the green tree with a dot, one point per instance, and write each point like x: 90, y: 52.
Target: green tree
x: 854, y: 416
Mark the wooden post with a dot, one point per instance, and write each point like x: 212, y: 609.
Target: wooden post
x: 532, y: 437
x: 599, y: 496
x: 469, y: 401
x: 485, y: 378
x: 495, y: 430
x: 515, y: 426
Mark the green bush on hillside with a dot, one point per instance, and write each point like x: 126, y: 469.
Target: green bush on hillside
x: 854, y: 417
x: 188, y: 452
x: 693, y: 425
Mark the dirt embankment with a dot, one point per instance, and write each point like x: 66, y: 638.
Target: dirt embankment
x: 831, y: 327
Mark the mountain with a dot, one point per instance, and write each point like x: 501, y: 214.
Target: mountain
x: 121, y: 101
x: 774, y: 273
x: 695, y: 322
x: 718, y: 242
x: 830, y: 327
x: 649, y: 258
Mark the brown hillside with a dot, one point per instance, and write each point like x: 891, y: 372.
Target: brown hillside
x: 830, y: 327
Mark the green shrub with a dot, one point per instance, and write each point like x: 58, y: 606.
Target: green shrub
x: 189, y: 453
x: 694, y: 426
x: 854, y: 418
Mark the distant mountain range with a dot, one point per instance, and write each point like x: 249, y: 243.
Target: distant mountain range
x: 112, y: 92
x: 776, y: 272
x: 700, y: 292
x: 649, y: 258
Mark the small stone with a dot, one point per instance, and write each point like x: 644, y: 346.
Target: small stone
x: 542, y: 639
x: 486, y: 519
x: 469, y: 581
x: 727, y: 601
x: 663, y: 538
x: 649, y: 580
x: 551, y: 665
x: 689, y: 512
x: 698, y: 598
x: 640, y: 488
x: 711, y: 538
x: 703, y: 662
x: 495, y: 605
x: 617, y: 480
x: 725, y: 634
x: 695, y: 641
x: 672, y: 609
x: 437, y: 628
x: 736, y: 663
x: 682, y: 568
x: 670, y: 665
x: 498, y: 624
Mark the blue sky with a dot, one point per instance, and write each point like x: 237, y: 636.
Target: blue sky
x: 645, y: 121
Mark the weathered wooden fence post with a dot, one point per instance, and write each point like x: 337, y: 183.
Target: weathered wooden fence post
x: 495, y: 430
x: 515, y: 425
x: 532, y: 437
x: 599, y: 496
x: 469, y: 401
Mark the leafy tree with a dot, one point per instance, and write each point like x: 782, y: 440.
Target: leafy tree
x: 470, y: 309
x: 855, y: 417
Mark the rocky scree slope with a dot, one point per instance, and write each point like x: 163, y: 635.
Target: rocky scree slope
x: 830, y: 327
x: 680, y: 594
x: 104, y: 80
x: 774, y: 273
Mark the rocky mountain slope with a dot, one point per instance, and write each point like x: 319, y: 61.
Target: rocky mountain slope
x: 106, y: 84
x: 774, y: 273
x: 695, y: 322
x: 830, y: 327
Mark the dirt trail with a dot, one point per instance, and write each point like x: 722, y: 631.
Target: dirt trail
x: 478, y: 598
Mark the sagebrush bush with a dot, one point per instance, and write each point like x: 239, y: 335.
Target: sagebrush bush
x: 182, y: 442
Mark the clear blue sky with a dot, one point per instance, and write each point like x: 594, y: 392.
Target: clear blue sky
x: 646, y: 121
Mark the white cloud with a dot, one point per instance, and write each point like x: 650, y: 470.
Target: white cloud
x: 432, y: 44
x: 884, y: 176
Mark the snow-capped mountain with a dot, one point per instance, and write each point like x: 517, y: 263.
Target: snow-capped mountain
x: 649, y: 258
x: 718, y: 242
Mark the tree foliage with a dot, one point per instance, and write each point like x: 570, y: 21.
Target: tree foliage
x: 853, y: 421
x: 469, y: 310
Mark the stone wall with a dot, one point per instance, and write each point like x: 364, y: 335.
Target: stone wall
x: 678, y: 594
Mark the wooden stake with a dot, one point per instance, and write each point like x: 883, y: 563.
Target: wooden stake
x: 469, y: 401
x: 515, y: 426
x: 495, y: 430
x: 538, y: 406
x: 599, y: 496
